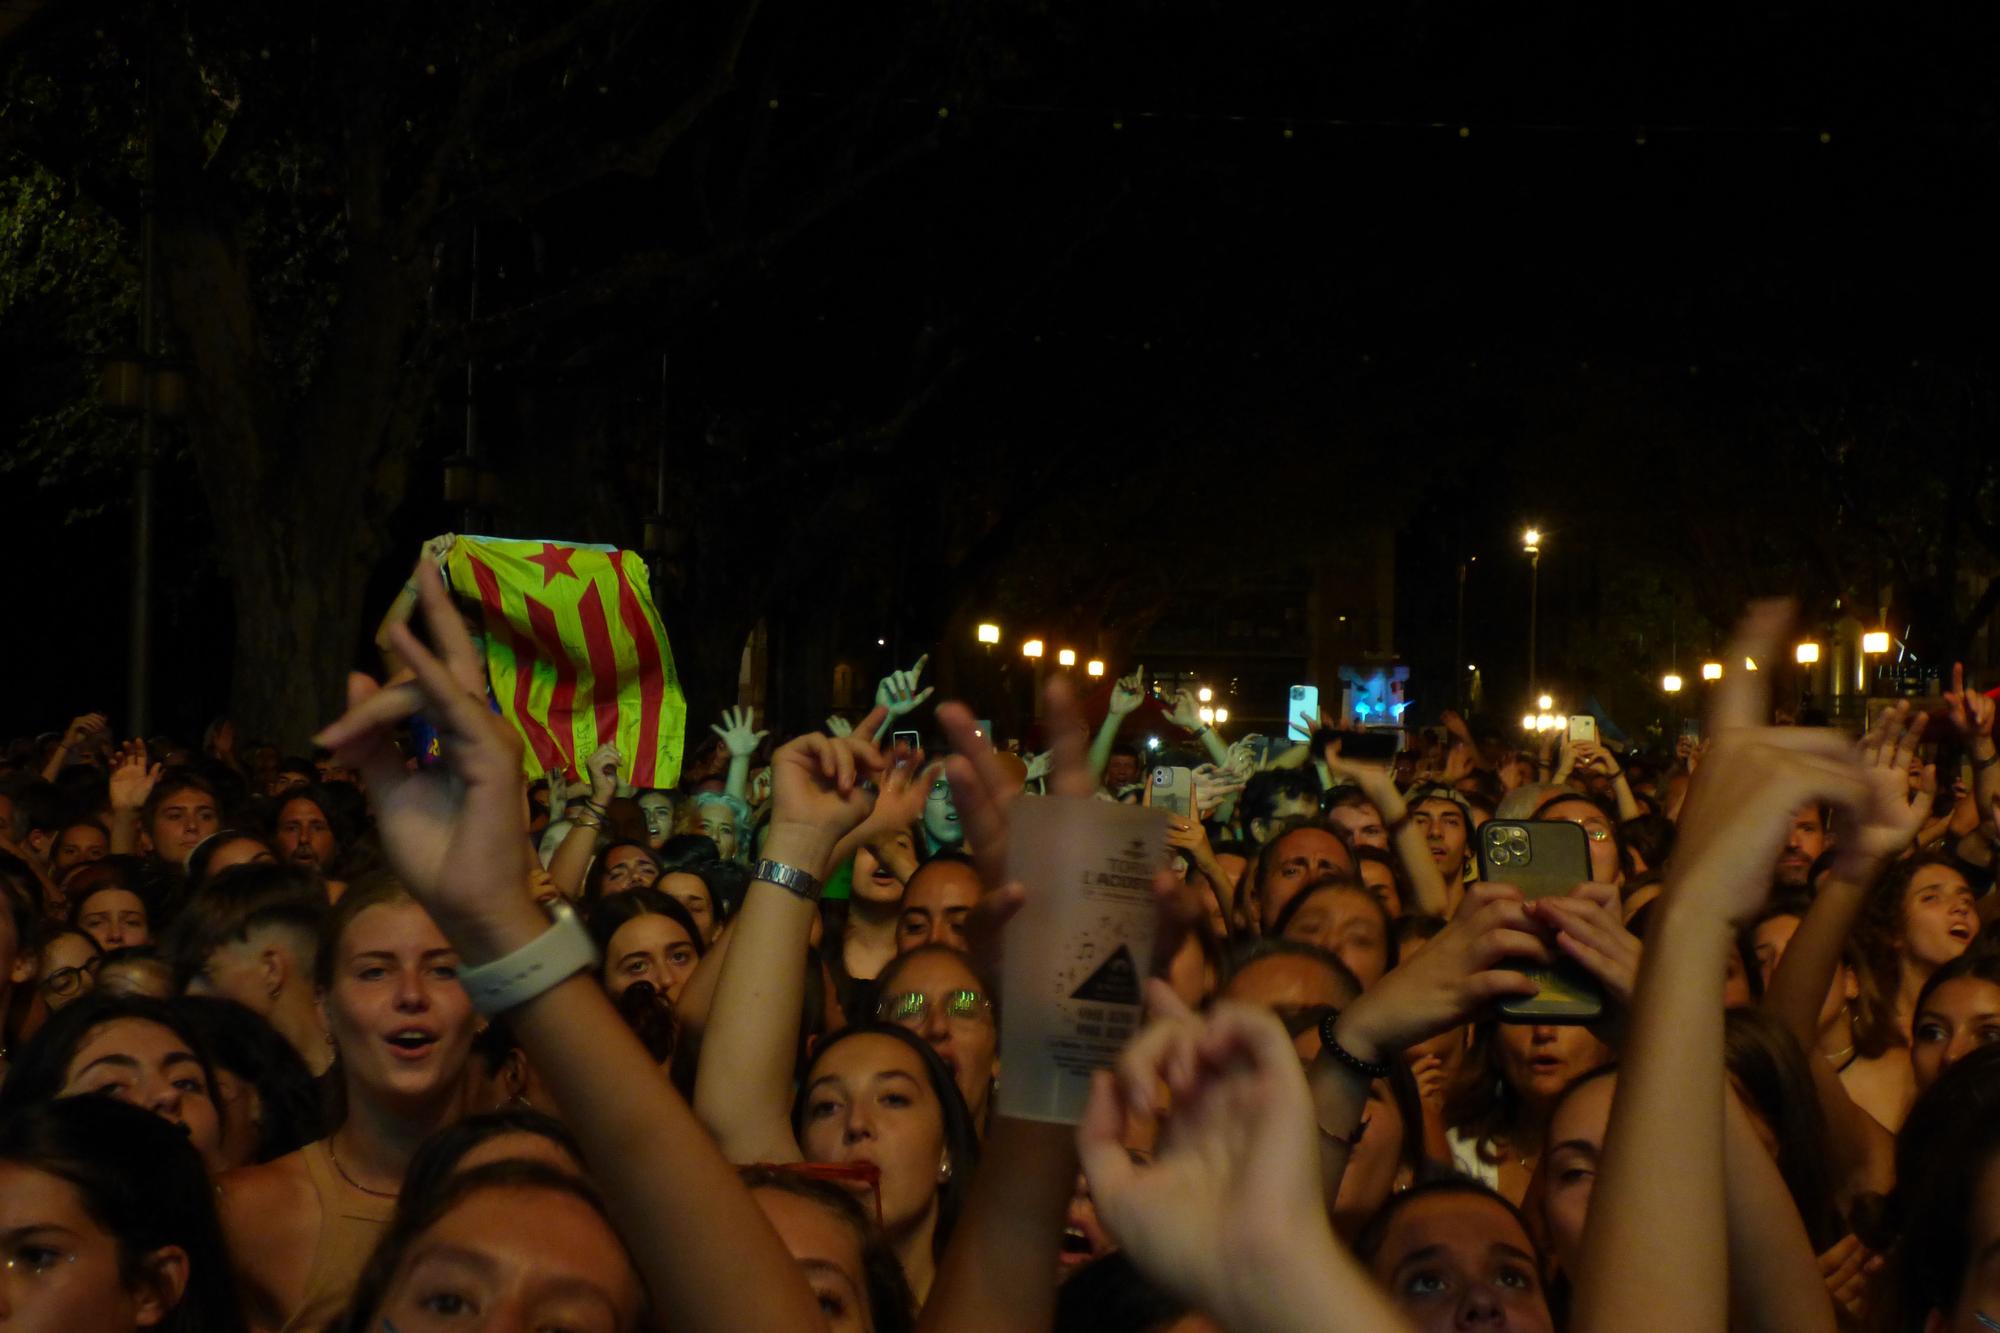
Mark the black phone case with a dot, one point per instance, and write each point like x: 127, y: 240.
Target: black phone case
x: 1543, y: 858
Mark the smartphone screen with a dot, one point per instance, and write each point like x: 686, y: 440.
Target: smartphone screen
x: 1582, y: 727
x: 1304, y: 701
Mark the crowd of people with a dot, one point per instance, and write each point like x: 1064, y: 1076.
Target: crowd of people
x: 354, y: 1042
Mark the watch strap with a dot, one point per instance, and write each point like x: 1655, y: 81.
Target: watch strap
x: 789, y: 878
x: 551, y: 958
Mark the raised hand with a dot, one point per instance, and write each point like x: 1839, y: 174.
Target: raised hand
x: 1594, y: 758
x: 838, y: 726
x: 1970, y: 711
x: 1451, y: 978
x: 738, y: 732
x: 1128, y: 693
x: 1894, y: 813
x: 1741, y: 801
x: 1039, y: 765
x: 1235, y: 1181
x: 132, y: 778
x: 1186, y: 711
x: 1459, y: 761
x: 453, y: 834
x: 899, y: 802
x: 898, y: 690
x: 81, y: 729
x: 817, y: 796
x: 602, y: 768
x: 1586, y: 925
x: 1213, y: 787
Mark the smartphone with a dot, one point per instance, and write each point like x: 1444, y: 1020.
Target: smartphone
x: 1582, y: 727
x: 1304, y: 702
x: 898, y: 739
x: 1691, y: 729
x: 1374, y: 747
x: 1544, y: 858
x: 1172, y: 790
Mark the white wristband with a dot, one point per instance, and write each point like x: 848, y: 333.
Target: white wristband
x: 548, y: 960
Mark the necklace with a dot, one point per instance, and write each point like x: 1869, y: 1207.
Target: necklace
x: 334, y: 1157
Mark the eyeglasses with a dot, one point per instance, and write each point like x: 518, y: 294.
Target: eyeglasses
x: 1595, y: 833
x: 67, y: 981
x: 914, y: 1007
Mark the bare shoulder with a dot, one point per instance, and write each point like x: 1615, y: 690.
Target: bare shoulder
x: 267, y: 1192
x: 270, y: 1217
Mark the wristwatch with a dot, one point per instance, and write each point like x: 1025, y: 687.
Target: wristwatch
x: 1368, y: 1069
x: 789, y: 878
x: 548, y: 960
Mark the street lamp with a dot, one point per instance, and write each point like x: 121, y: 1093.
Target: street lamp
x: 1093, y: 667
x: 989, y: 634
x: 1067, y: 657
x: 1204, y: 694
x: 1222, y: 715
x: 1671, y: 683
x: 1808, y: 653
x: 1531, y: 542
x: 1875, y: 641
x: 1544, y: 702
x: 1527, y: 721
x: 1206, y: 714
x: 1711, y: 671
x: 1032, y: 648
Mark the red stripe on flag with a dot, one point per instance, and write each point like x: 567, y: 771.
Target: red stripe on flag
x: 603, y: 665
x: 544, y: 745
x: 651, y: 684
x: 562, y: 702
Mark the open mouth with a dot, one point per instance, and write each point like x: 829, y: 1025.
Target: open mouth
x: 1076, y: 1246
x: 1959, y: 930
x: 412, y: 1043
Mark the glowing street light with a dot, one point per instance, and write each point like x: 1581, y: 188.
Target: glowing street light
x: 1093, y: 667
x: 1032, y: 648
x: 1671, y: 683
x: 1067, y: 657
x: 1545, y: 703
x: 1204, y: 694
x: 1875, y: 641
x: 1749, y: 664
x: 1808, y: 653
x: 1531, y: 541
x: 1527, y: 721
x: 1222, y: 715
x: 1207, y: 715
x: 1543, y: 722
x: 989, y: 634
x: 1711, y: 671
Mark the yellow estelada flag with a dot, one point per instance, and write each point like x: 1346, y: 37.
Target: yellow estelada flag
x: 576, y: 654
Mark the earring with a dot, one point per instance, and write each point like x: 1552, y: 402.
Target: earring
x: 944, y: 1169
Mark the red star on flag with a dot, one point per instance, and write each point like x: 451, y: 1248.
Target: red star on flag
x: 554, y: 560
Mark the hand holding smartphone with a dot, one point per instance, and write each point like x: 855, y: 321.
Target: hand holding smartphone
x: 1543, y: 858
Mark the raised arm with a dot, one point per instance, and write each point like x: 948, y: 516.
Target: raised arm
x: 1653, y: 1256
x: 1125, y: 698
x: 743, y: 1091
x: 1187, y: 715
x: 1596, y: 759
x: 1379, y: 786
x: 571, y: 860
x: 132, y: 780
x: 79, y: 732
x: 995, y: 1274
x: 454, y: 839
x: 1775, y: 1285
x: 1229, y: 1214
x: 741, y: 738
x: 898, y: 696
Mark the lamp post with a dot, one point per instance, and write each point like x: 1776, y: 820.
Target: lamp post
x: 1531, y: 542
